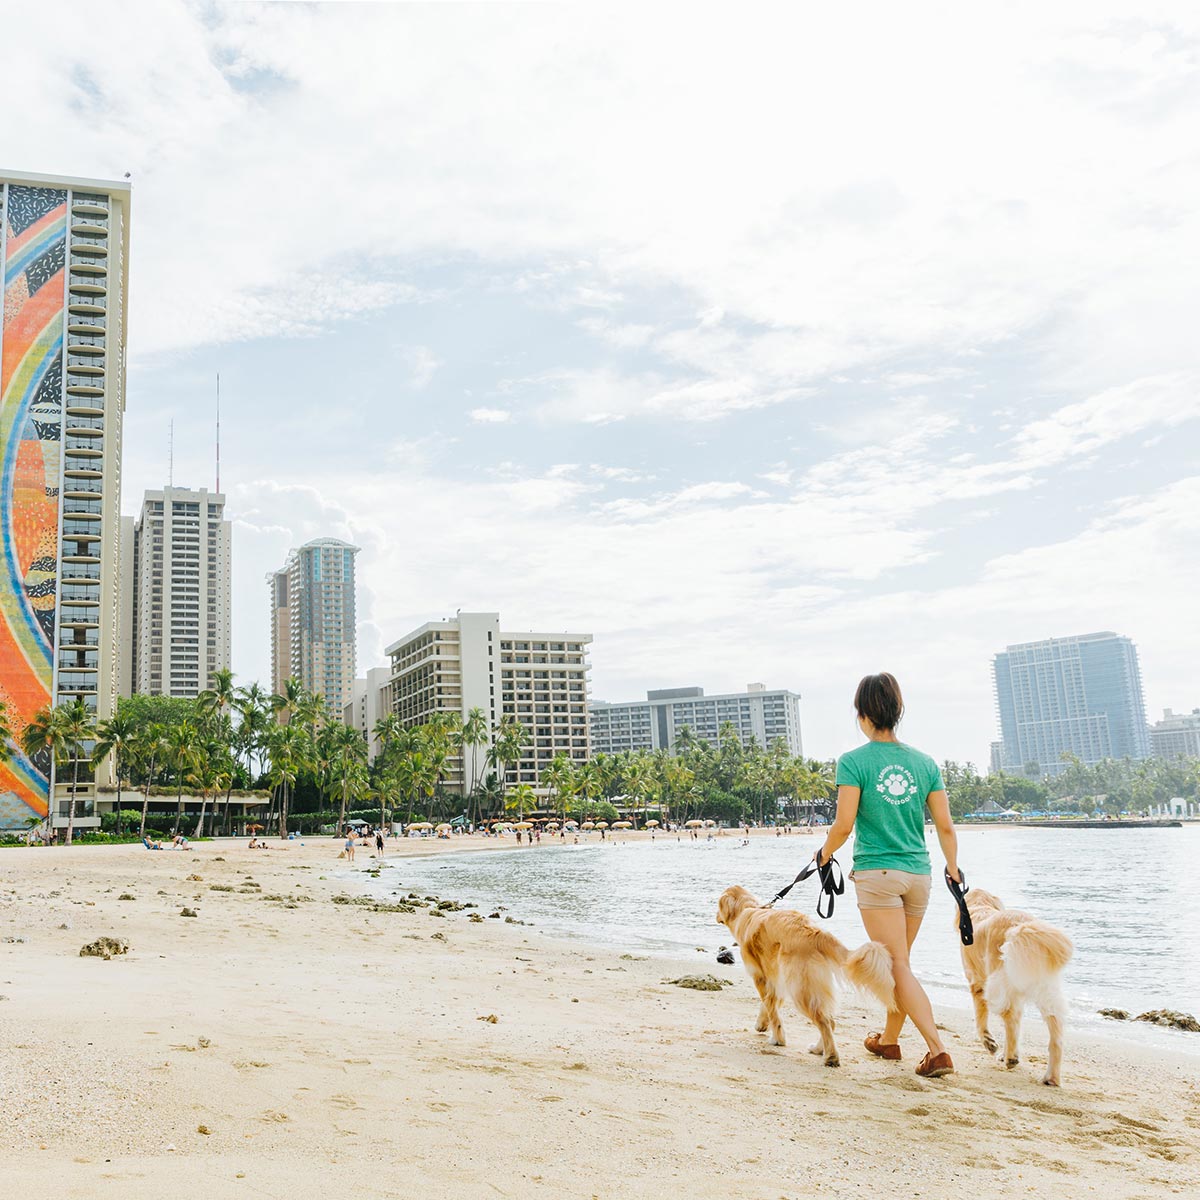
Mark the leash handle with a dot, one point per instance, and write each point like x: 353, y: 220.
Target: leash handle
x: 958, y: 889
x: 830, y: 886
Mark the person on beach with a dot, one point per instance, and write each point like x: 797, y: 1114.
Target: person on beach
x: 379, y: 842
x: 350, y: 840
x: 884, y: 788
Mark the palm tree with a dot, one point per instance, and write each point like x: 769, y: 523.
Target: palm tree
x: 474, y: 734
x: 350, y: 760
x: 149, y: 746
x: 44, y: 737
x: 559, y: 777
x: 221, y: 697
x: 61, y: 732
x: 208, y: 776
x: 520, y: 798
x: 589, y: 784
x: 254, y: 710
x: 285, y: 703
x: 288, y: 756
x: 508, y: 749
x: 117, y: 737
x: 181, y: 753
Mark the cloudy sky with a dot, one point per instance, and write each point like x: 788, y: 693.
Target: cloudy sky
x: 764, y: 343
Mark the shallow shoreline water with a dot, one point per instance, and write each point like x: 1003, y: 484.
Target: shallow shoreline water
x: 659, y: 897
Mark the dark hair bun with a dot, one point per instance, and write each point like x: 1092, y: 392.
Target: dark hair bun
x: 878, y: 699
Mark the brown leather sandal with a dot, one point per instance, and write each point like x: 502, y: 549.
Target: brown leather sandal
x: 876, y: 1047
x: 934, y: 1066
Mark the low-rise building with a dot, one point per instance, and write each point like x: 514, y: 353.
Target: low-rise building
x: 766, y: 715
x: 1177, y: 735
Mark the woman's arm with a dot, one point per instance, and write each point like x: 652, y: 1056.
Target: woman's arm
x: 843, y: 823
x: 939, y: 810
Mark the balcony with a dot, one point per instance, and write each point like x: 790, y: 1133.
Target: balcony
x: 83, y: 660
x: 80, y: 487
x: 83, y: 468
x: 87, y: 264
x: 89, y: 641
x: 90, y: 342
x: 87, y: 366
x: 83, y: 326
x: 95, y: 226
x: 88, y: 243
x: 80, y: 552
x: 87, y: 304
x: 84, y: 531
x: 84, y: 445
x: 78, y: 617
x: 82, y: 508
x: 84, y: 284
x: 84, y: 404
x: 84, y: 385
x: 80, y: 572
x: 75, y: 683
x: 90, y: 206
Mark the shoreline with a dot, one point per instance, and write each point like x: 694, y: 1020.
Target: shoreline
x: 329, y: 1049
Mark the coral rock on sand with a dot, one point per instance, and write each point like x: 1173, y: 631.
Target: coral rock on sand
x: 188, y: 912
x: 1170, y: 1019
x: 1116, y: 1014
x: 701, y: 983
x: 104, y: 947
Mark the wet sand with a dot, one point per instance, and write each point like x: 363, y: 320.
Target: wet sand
x: 330, y: 1050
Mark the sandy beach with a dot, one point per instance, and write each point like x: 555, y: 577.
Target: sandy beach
x: 279, y: 1044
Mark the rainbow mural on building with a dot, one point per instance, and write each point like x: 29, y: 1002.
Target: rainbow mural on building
x: 31, y: 363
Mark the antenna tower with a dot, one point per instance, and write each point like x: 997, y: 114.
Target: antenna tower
x: 218, y: 433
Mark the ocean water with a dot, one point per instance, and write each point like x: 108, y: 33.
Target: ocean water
x: 1128, y: 898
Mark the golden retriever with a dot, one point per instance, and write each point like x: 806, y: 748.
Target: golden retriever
x: 785, y: 954
x: 1016, y: 958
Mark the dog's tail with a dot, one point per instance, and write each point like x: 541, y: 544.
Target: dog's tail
x: 1033, y: 951
x: 869, y: 968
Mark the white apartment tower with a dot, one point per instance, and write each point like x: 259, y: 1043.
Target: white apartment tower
x: 313, y: 621
x: 180, y: 588
x: 64, y: 259
x: 468, y: 662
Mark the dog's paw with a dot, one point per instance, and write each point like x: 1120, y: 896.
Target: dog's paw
x: 761, y: 1027
x: 777, y: 1039
x: 817, y: 1048
x: 833, y: 1061
x: 1011, y: 1062
x: 989, y: 1043
x: 1049, y: 1081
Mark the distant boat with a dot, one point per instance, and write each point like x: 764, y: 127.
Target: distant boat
x: 1091, y: 823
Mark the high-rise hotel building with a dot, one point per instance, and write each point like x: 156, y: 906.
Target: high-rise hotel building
x: 177, y: 579
x: 313, y: 621
x: 468, y: 662
x: 64, y: 262
x: 1080, y: 695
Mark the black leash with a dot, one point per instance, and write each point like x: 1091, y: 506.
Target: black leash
x: 832, y: 884
x: 959, y: 890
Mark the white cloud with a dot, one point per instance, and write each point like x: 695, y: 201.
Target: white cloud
x: 490, y: 416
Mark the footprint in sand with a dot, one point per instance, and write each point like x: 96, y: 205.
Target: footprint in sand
x: 345, y: 1102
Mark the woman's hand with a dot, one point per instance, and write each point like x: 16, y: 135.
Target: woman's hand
x: 954, y: 873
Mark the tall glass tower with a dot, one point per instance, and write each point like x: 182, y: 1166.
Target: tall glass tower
x: 313, y: 621
x: 1080, y: 695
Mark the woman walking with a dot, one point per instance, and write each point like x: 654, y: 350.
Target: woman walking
x: 884, y: 788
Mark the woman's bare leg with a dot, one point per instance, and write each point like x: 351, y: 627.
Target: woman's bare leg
x: 895, y: 1021
x: 889, y: 926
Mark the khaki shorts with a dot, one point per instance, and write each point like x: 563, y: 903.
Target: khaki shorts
x: 892, y: 889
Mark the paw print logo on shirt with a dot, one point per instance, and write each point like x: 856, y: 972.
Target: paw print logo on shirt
x: 896, y: 784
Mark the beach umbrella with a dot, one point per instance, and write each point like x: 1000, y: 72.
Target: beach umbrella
x: 709, y: 824
x: 442, y: 826
x: 694, y: 825
x: 588, y: 825
x: 622, y: 824
x: 651, y: 824
x: 522, y: 825
x: 601, y: 824
x: 421, y: 825
x: 571, y: 825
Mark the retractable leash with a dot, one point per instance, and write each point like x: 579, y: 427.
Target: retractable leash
x: 959, y: 890
x: 832, y: 884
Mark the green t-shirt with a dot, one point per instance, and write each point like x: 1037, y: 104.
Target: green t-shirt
x: 894, y: 782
